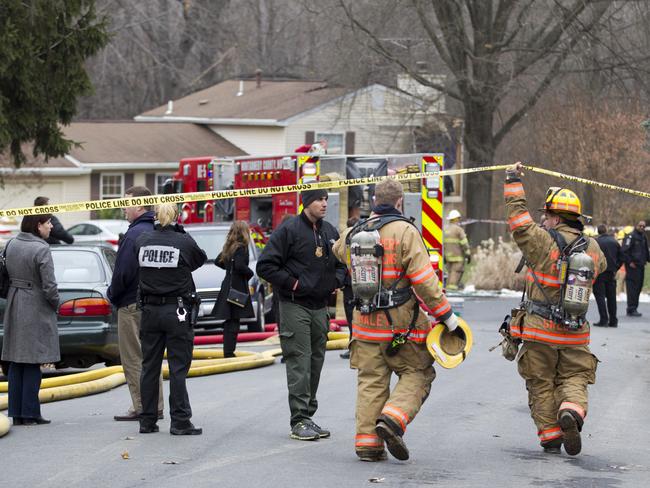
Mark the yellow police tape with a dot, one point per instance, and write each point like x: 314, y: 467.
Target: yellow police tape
x: 272, y: 190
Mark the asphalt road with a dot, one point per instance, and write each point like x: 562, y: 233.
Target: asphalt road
x: 474, y: 430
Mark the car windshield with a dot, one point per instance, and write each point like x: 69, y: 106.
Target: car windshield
x: 77, y: 267
x: 210, y: 240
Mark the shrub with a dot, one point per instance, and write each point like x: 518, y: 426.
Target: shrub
x: 494, y: 266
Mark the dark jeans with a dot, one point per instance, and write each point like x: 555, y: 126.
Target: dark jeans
x: 24, y: 384
x: 230, y: 332
x: 605, y: 294
x: 633, y: 284
x: 303, y: 338
x: 161, y: 329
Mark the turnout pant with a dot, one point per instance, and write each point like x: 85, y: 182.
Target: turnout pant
x: 161, y: 329
x: 128, y: 338
x: 556, y: 379
x: 413, y: 366
x: 303, y: 339
x: 605, y: 294
x: 633, y: 284
x: 455, y: 271
x: 24, y: 384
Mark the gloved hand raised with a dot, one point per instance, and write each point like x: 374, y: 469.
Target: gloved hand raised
x: 451, y: 323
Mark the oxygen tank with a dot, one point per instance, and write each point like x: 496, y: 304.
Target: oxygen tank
x: 580, y: 274
x: 365, y: 268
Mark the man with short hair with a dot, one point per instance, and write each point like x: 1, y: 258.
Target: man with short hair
x: 605, y: 284
x: 123, y: 295
x: 635, y: 255
x: 299, y: 262
x: 382, y: 416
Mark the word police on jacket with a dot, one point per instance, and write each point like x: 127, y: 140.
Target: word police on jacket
x: 159, y: 257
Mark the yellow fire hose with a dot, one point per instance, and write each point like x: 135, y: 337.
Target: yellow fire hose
x: 206, y: 362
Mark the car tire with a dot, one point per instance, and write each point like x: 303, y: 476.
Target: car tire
x: 259, y: 324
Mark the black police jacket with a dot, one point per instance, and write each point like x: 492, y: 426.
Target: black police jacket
x: 612, y: 251
x: 58, y: 233
x: 166, y: 257
x: 635, y: 248
x: 299, y: 251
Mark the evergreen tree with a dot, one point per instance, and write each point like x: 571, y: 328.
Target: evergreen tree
x: 43, y: 47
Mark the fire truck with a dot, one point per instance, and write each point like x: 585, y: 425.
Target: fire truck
x: 423, y: 199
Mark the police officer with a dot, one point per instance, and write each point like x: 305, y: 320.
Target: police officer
x: 299, y: 262
x: 382, y: 415
x: 636, y: 255
x: 555, y: 359
x: 167, y: 256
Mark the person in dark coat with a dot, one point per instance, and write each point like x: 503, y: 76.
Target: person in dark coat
x: 234, y: 259
x: 58, y: 233
x: 605, y: 285
x: 636, y: 255
x: 31, y: 336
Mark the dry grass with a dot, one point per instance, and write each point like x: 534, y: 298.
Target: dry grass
x: 494, y: 267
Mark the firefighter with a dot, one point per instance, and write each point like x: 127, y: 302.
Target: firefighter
x: 456, y: 250
x: 554, y: 360
x: 393, y: 339
x: 167, y: 256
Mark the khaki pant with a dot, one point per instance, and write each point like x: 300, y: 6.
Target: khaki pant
x: 128, y: 337
x: 413, y: 366
x: 454, y: 274
x: 556, y: 379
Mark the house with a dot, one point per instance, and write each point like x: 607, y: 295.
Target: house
x: 113, y: 156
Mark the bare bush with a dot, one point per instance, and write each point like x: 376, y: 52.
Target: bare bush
x: 495, y: 266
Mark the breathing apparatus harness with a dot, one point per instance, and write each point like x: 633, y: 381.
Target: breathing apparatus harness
x: 575, y: 274
x: 366, y: 268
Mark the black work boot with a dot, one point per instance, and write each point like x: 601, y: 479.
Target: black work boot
x: 372, y: 456
x: 394, y: 442
x: 190, y: 430
x: 571, y: 425
x: 552, y: 447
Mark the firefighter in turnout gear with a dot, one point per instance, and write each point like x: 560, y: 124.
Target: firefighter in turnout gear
x: 554, y: 359
x: 167, y: 256
x: 456, y: 250
x: 392, y: 339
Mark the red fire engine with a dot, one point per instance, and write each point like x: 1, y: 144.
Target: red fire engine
x: 422, y: 199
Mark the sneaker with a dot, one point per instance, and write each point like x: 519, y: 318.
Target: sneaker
x: 372, y: 456
x: 303, y: 431
x: 394, y: 442
x: 322, y: 433
x: 191, y: 430
x: 571, y: 431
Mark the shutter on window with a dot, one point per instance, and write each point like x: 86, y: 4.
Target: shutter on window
x: 128, y: 181
x: 309, y: 137
x: 94, y: 191
x: 349, y: 143
x: 150, y: 182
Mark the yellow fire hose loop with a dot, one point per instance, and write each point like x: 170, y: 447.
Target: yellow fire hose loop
x: 4, y: 425
x: 206, y: 362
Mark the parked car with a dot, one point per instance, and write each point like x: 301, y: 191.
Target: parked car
x: 208, y: 278
x: 87, y: 322
x: 106, y: 231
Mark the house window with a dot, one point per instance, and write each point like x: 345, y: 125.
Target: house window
x: 335, y: 141
x: 160, y: 181
x: 111, y: 185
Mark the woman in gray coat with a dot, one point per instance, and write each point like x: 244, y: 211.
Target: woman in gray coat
x: 31, y: 336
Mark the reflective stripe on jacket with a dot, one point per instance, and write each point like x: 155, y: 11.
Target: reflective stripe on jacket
x: 455, y: 243
x: 542, y: 254
x: 404, y: 250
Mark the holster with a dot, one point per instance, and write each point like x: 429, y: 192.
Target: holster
x: 510, y: 345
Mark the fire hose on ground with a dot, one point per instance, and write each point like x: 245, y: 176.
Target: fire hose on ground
x: 206, y: 362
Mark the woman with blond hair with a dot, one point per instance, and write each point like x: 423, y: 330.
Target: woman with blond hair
x: 234, y: 259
